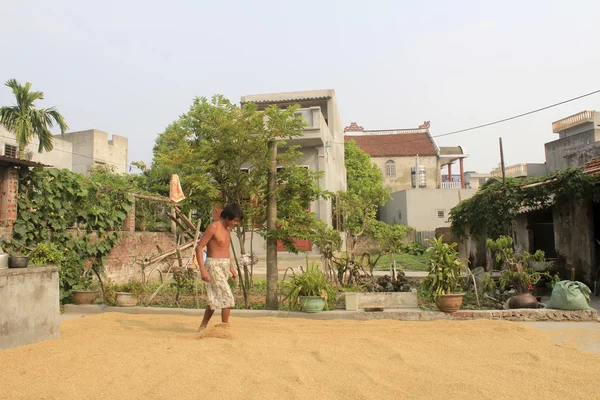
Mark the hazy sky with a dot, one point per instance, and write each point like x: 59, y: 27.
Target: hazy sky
x: 132, y: 67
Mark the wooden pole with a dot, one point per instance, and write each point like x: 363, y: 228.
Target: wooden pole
x: 272, y: 272
x: 502, y: 164
x: 503, y: 180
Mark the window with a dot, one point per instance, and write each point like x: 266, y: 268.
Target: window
x: 390, y: 169
x: 10, y: 151
x: 400, y: 215
x: 441, y: 213
x: 336, y: 216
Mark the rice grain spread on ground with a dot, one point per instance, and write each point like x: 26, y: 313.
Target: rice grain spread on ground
x: 119, y: 356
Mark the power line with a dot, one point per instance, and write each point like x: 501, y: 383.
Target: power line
x: 518, y: 116
x: 489, y: 123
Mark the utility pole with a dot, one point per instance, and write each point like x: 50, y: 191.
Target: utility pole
x: 507, y: 230
x: 272, y: 272
x: 502, y: 165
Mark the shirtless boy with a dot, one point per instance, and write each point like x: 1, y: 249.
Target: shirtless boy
x: 217, y: 239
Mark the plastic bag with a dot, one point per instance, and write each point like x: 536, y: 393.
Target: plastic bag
x: 570, y: 295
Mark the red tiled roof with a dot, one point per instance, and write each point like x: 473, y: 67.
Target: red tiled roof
x: 402, y: 145
x: 592, y: 167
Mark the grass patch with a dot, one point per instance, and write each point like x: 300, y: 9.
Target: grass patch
x: 403, y: 260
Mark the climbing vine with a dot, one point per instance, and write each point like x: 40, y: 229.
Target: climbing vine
x: 491, y: 212
x: 81, y: 216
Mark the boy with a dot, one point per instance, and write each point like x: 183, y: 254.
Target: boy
x: 213, y: 271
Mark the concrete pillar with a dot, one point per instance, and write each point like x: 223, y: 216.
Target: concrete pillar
x: 322, y: 212
x: 30, y: 310
x: 462, y: 174
x: 316, y: 116
x: 449, y: 172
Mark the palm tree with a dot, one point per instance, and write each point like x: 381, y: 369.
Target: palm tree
x: 26, y: 121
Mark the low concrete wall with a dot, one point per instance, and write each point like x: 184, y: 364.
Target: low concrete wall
x: 381, y: 299
x: 29, y: 306
x: 400, y: 314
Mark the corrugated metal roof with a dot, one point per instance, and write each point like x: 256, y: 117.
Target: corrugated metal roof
x: 290, y: 100
x: 15, y: 161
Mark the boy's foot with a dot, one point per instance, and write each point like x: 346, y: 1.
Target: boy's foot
x: 222, y: 325
x: 201, y: 328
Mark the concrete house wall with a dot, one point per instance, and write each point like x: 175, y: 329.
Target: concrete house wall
x: 60, y: 157
x: 92, y: 148
x: 322, y: 147
x: 403, y: 179
x: 422, y: 209
x: 76, y: 151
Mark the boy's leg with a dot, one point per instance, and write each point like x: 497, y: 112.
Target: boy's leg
x: 208, y: 313
x: 225, y: 315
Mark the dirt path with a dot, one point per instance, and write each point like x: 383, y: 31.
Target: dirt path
x: 122, y: 356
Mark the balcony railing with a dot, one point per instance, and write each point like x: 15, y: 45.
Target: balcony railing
x: 573, y: 120
x: 450, y: 185
x: 512, y: 171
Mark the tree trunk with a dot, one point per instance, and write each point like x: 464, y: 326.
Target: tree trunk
x: 272, y: 273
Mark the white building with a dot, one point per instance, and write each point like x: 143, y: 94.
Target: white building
x: 322, y: 148
x: 76, y: 151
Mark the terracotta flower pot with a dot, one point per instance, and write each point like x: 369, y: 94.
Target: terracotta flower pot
x: 525, y: 300
x: 449, y: 303
x: 125, y: 299
x: 84, y: 297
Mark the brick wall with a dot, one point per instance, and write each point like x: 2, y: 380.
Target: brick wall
x: 129, y: 224
x: 120, y: 265
x: 9, y: 188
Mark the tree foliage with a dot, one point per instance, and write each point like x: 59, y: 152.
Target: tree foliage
x: 26, y: 121
x: 365, y: 193
x: 221, y: 152
x: 491, y: 212
x: 78, y: 215
x: 389, y: 238
x: 358, y: 206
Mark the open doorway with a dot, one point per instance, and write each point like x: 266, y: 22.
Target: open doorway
x: 596, y: 256
x: 541, y: 230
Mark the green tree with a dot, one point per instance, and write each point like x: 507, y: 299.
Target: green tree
x: 221, y: 152
x: 26, y: 121
x: 365, y: 194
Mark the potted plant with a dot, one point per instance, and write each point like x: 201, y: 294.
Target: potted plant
x: 18, y: 259
x: 310, y: 290
x: 47, y: 253
x: 128, y: 294
x: 517, y: 274
x: 18, y: 254
x: 443, y: 280
x: 86, y: 291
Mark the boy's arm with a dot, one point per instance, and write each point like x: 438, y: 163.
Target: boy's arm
x: 208, y: 234
x: 231, y: 269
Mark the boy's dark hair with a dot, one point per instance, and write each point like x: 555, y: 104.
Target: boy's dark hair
x: 232, y: 211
